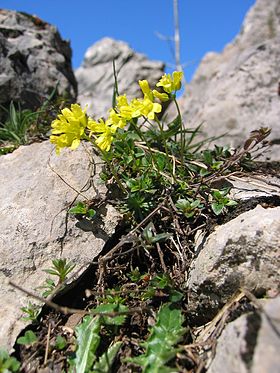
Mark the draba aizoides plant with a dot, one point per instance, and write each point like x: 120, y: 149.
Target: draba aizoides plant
x: 149, y: 158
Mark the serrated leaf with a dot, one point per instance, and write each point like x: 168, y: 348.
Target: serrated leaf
x: 88, y: 339
x: 160, y: 346
x: 106, y: 360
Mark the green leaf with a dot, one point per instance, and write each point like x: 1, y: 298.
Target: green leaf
x: 80, y: 208
x: 91, y: 213
x: 28, y: 339
x: 208, y: 157
x: 8, y: 364
x: 231, y: 202
x: 217, y: 207
x: 160, y: 346
x: 109, y: 308
x: 88, y: 339
x: 60, y: 342
x: 175, y: 296
x: 160, y: 237
x: 106, y: 360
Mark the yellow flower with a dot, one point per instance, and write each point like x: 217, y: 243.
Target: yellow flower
x: 171, y: 84
x: 144, y: 85
x: 161, y: 96
x: 105, y: 139
x: 103, y: 132
x: 137, y: 107
x: 125, y: 110
x: 116, y: 119
x: 146, y: 107
x: 96, y: 127
x: 68, y: 128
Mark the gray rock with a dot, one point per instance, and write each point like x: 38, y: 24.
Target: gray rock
x: 96, y: 80
x: 251, y: 343
x: 236, y: 91
x: 33, y: 58
x: 241, y: 253
x: 247, y: 187
x: 34, y: 229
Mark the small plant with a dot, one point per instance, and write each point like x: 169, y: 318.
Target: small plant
x: 83, y: 210
x: 220, y: 200
x: 8, y: 364
x: 16, y: 126
x: 27, y: 339
x: 150, y: 237
x: 60, y: 269
x: 189, y: 207
x: 160, y: 345
x: 32, y: 311
x: 22, y: 126
x: 48, y: 287
x: 88, y: 340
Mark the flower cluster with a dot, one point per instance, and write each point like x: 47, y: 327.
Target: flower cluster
x: 73, y: 124
x: 68, y: 128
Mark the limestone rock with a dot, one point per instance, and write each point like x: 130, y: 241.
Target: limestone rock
x: 251, y: 186
x: 250, y: 344
x: 33, y: 58
x: 34, y: 225
x: 241, y: 253
x: 236, y: 91
x: 96, y: 80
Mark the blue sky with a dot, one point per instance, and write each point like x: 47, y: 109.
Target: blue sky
x: 205, y: 25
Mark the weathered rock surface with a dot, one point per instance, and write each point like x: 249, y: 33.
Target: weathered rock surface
x: 33, y: 58
x: 96, y: 79
x: 241, y: 253
x: 34, y: 229
x: 251, y: 343
x: 236, y: 91
x: 254, y: 185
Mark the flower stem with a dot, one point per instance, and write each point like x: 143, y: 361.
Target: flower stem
x: 182, y: 137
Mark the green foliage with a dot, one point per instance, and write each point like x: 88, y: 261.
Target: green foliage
x: 104, y: 364
x: 60, y: 269
x: 163, y: 282
x: 22, y: 126
x: 88, y: 340
x: 82, y: 209
x: 48, y: 287
x: 134, y: 275
x: 32, y: 311
x: 15, y: 128
x: 151, y: 238
x: 8, y: 364
x: 220, y: 200
x: 27, y: 339
x: 60, y: 342
x: 160, y: 345
x: 112, y: 308
x: 188, y: 206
